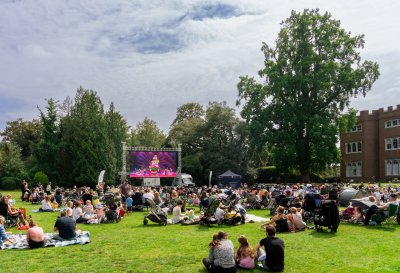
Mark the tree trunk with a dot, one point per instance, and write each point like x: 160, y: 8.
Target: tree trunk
x: 305, y: 177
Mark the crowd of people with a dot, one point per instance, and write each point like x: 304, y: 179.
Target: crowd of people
x: 93, y: 206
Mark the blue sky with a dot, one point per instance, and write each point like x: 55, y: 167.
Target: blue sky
x: 149, y: 57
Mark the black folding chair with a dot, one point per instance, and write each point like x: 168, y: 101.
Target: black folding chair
x: 11, y: 221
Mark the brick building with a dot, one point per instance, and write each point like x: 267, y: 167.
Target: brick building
x: 371, y: 150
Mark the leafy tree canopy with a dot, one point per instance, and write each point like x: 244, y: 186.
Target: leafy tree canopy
x: 308, y: 77
x: 147, y: 134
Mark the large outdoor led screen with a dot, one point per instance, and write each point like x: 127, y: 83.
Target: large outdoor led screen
x: 152, y: 164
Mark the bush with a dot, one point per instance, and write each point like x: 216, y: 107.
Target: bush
x: 41, y: 178
x: 9, y: 183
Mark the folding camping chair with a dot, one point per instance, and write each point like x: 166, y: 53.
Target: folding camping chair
x: 10, y: 220
x: 392, y: 214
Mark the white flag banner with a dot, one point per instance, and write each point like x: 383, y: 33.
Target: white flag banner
x: 101, y: 176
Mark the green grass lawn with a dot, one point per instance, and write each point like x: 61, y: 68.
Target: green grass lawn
x: 131, y: 247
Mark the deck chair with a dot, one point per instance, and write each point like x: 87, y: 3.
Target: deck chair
x: 251, y: 201
x: 392, y: 214
x: 10, y: 220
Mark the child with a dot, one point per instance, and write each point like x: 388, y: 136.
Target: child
x: 100, y: 212
x: 358, y: 217
x: 120, y: 210
x: 5, y: 238
x: 129, y: 203
x: 245, y: 254
x: 88, y: 210
x: 348, y: 213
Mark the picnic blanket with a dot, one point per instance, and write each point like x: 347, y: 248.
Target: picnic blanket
x: 252, y: 217
x: 56, y: 210
x: 21, y: 243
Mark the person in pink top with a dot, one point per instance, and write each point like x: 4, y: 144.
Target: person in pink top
x: 35, y: 235
x: 245, y: 254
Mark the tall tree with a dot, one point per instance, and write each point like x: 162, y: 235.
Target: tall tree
x: 89, y: 143
x: 308, y: 80
x: 186, y: 127
x: 46, y: 150
x: 225, y: 140
x: 11, y: 164
x: 188, y: 111
x: 147, y: 134
x: 117, y: 128
x: 23, y: 134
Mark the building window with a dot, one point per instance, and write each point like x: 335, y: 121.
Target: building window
x: 354, y: 147
x: 395, y: 167
x: 357, y: 128
x: 392, y: 143
x: 392, y: 123
x: 354, y: 169
x: 348, y: 170
x: 348, y: 148
x: 392, y: 167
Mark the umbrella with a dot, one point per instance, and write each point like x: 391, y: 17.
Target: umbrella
x: 362, y: 203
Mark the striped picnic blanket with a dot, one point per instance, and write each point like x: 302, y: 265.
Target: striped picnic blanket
x: 21, y: 243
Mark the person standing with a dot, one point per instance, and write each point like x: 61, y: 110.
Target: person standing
x: 273, y: 257
x: 125, y: 189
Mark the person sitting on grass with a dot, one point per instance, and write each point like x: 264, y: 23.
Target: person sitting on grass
x: 221, y: 255
x: 279, y: 220
x: 77, y: 212
x: 295, y: 220
x: 177, y: 215
x: 46, y: 205
x: 373, y: 209
x: 88, y: 210
x: 4, y: 237
x: 65, y: 226
x: 245, y: 254
x: 35, y: 235
x: 273, y: 258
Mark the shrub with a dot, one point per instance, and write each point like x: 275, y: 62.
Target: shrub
x: 41, y: 177
x: 9, y: 183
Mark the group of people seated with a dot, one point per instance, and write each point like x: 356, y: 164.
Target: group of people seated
x: 223, y: 258
x: 292, y: 221
x: 381, y: 209
x: 64, y: 229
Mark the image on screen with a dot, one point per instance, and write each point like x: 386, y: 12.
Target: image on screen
x: 152, y: 164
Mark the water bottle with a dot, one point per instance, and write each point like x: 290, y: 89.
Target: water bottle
x: 20, y: 235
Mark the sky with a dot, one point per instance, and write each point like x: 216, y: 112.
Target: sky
x: 150, y: 57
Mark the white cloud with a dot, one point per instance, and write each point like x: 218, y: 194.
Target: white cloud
x: 149, y: 57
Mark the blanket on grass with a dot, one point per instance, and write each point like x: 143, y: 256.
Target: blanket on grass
x: 21, y: 243
x: 253, y: 218
x: 56, y: 210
